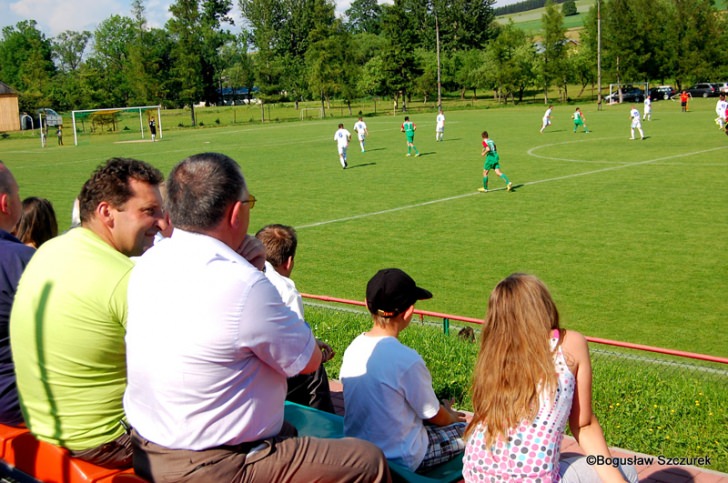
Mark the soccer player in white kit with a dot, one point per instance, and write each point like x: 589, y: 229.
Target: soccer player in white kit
x: 342, y: 138
x: 360, y: 128
x: 720, y: 108
x: 634, y: 114
x: 440, y: 126
x: 546, y: 118
x: 648, y: 109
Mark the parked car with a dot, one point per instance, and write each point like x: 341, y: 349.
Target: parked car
x: 662, y: 92
x: 703, y: 89
x: 629, y: 94
x: 722, y: 87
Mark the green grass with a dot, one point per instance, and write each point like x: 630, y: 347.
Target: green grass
x: 630, y: 236
x: 530, y: 21
x: 644, y: 403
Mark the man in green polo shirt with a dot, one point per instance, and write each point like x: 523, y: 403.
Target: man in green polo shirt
x: 68, y: 320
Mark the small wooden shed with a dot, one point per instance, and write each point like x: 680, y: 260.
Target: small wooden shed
x: 9, y: 111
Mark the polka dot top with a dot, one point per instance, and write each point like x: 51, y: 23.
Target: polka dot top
x: 532, y: 450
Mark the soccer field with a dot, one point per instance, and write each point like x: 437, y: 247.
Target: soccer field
x: 631, y: 236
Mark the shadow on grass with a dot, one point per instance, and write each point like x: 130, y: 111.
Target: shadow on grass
x: 352, y: 166
x: 375, y: 149
x: 516, y: 186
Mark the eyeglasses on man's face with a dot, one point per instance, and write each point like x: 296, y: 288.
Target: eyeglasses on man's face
x: 251, y: 200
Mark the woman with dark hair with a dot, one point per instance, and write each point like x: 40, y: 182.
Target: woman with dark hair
x: 38, y: 223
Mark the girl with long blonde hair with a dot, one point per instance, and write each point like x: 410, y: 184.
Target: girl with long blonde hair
x: 530, y: 378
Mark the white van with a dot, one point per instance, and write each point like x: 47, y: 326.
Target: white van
x: 49, y: 117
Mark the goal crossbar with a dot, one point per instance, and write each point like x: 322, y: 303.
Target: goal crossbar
x: 84, y: 113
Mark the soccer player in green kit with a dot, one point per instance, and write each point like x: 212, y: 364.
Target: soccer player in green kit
x: 409, y: 128
x: 492, y: 161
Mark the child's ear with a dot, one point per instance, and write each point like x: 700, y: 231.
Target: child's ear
x: 409, y: 312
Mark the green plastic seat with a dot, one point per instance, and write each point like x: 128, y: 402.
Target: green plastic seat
x: 320, y: 424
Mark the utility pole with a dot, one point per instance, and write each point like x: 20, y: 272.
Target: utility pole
x: 599, y: 54
x: 439, y: 84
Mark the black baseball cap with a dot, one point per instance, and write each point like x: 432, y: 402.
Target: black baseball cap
x: 391, y: 291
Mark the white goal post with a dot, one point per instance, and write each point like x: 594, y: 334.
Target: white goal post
x: 315, y: 112
x: 83, y: 114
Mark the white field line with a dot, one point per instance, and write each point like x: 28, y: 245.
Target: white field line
x: 475, y: 193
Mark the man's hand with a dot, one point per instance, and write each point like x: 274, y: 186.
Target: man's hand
x: 253, y: 251
x: 327, y: 353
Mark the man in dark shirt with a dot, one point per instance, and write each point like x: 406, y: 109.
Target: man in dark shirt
x: 14, y: 256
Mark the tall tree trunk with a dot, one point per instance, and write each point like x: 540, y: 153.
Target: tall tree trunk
x: 192, y: 113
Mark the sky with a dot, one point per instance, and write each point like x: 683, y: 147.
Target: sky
x: 56, y: 16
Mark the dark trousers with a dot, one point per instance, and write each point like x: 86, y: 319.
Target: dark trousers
x: 311, y: 390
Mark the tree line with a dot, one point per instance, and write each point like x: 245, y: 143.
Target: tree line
x: 299, y: 50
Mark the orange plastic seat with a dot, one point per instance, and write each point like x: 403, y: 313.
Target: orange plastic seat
x: 50, y: 463
x: 7, y: 434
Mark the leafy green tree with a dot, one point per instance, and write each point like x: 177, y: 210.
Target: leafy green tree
x: 568, y: 8
x: 400, y: 65
x: 187, y: 52
x: 464, y: 24
x: 511, y: 57
x: 109, y: 60
x: 26, y: 63
x: 553, y: 49
x: 364, y: 16
x: 68, y: 52
x: 69, y: 48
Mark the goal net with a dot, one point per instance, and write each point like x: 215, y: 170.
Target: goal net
x: 123, y: 124
x: 312, y: 113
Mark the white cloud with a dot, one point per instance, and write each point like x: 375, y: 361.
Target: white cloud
x: 55, y: 16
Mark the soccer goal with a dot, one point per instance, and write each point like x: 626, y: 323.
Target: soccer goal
x: 312, y: 113
x: 132, y: 122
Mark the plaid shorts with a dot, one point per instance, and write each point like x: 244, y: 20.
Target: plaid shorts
x: 445, y: 442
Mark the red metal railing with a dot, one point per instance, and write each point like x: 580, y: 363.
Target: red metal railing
x: 446, y: 318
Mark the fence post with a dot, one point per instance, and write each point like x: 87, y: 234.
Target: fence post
x: 446, y: 326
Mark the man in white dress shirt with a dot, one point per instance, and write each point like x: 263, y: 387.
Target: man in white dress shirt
x: 210, y: 344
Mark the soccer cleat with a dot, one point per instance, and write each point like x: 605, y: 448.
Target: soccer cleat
x: 408, y: 155
x: 509, y: 187
x: 417, y: 155
x: 482, y: 190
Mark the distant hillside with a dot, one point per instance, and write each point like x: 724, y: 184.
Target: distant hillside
x: 523, y: 6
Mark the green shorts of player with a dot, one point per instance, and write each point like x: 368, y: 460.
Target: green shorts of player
x: 491, y: 162
x: 411, y: 139
x: 578, y: 122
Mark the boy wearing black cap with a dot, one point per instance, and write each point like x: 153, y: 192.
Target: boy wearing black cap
x: 388, y: 395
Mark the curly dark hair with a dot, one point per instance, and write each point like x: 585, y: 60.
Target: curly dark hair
x: 110, y: 182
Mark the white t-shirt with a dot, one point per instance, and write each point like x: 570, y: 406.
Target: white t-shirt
x: 546, y: 115
x: 285, y: 286
x: 440, y: 122
x: 648, y: 105
x: 635, y: 114
x: 720, y: 108
x: 361, y: 129
x: 387, y: 395
x: 209, y: 346
x: 342, y: 137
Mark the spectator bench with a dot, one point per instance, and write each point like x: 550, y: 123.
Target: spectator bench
x: 320, y: 424
x: 24, y: 456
